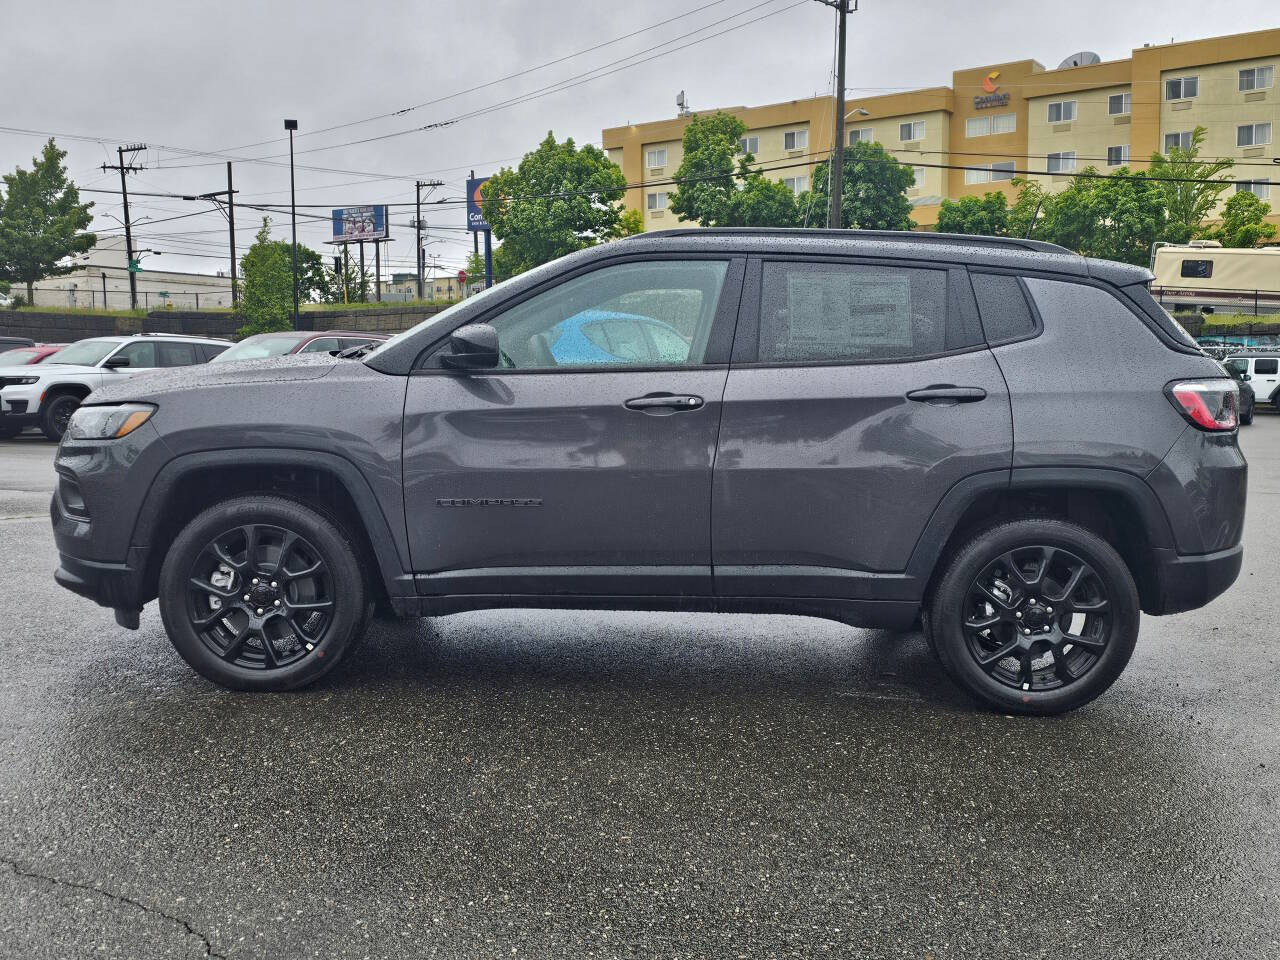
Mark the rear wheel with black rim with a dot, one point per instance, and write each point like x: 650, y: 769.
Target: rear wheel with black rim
x: 262, y: 593
x: 1035, y: 616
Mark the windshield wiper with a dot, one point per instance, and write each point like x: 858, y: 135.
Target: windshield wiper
x: 357, y: 351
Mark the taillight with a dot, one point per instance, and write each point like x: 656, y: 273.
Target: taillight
x: 1207, y: 404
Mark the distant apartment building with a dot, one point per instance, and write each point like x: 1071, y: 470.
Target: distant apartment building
x: 1003, y: 120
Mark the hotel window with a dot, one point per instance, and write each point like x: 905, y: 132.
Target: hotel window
x: 861, y: 135
x: 1259, y: 188
x: 977, y: 126
x: 918, y: 173
x: 1117, y: 156
x: 656, y: 158
x: 1004, y: 123
x: 657, y: 201
x: 1177, y: 141
x: 1002, y: 170
x: 749, y: 145
x: 977, y: 175
x: 1062, y: 111
x: 1253, y: 134
x: 1062, y: 162
x: 796, y: 185
x: 795, y: 140
x: 1181, y: 88
x: 1118, y: 104
x: 911, y: 131
x: 1256, y: 78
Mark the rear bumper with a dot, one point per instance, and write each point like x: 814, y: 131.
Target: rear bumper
x: 1189, y: 582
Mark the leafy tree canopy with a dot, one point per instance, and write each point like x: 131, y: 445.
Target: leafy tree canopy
x: 558, y: 200
x: 718, y: 188
x: 1190, y: 186
x: 1242, y: 222
x: 42, y: 221
x: 874, y: 190
x: 986, y: 216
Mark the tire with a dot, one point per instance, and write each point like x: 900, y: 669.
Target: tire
x: 56, y: 414
x: 1246, y: 416
x: 284, y: 637
x: 1052, y: 661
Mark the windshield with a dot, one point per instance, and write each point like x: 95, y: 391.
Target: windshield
x: 86, y: 353
x: 17, y: 358
x: 264, y: 345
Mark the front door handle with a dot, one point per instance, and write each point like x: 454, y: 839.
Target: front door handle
x: 946, y: 395
x: 664, y: 403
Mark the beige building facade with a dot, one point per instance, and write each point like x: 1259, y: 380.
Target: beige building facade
x: 1015, y: 119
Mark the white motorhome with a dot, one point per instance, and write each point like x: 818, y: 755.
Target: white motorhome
x: 1206, y: 277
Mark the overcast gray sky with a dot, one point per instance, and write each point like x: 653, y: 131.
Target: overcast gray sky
x: 203, y: 83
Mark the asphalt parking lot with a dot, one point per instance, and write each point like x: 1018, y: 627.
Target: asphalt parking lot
x: 534, y: 784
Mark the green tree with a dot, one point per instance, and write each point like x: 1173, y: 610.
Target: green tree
x: 1242, y: 222
x: 1116, y: 217
x: 1190, y: 186
x: 267, y: 270
x: 475, y: 266
x: 630, y: 222
x: 987, y: 215
x: 874, y: 190
x: 718, y: 188
x: 558, y: 200
x: 42, y: 221
x: 340, y: 283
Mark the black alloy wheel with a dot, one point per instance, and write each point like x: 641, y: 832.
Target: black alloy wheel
x: 1037, y: 618
x: 57, y: 415
x: 260, y: 596
x: 262, y: 592
x: 1035, y: 615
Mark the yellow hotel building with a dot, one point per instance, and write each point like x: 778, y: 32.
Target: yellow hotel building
x: 1006, y: 119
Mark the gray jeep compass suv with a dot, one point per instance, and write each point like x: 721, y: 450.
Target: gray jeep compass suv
x: 1009, y: 442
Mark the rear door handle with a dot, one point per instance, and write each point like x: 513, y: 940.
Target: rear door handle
x: 664, y: 402
x: 946, y: 395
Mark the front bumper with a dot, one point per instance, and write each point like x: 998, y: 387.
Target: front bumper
x: 20, y: 405
x: 1188, y: 582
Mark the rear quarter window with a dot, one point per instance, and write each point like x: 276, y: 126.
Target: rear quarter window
x: 1265, y: 366
x: 1002, y: 303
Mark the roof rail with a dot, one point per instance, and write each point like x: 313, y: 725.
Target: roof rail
x: 902, y: 236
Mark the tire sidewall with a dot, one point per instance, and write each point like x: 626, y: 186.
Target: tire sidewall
x: 322, y: 534
x: 947, y: 610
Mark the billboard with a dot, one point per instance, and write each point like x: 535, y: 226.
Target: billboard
x: 359, y: 223
x: 475, y: 219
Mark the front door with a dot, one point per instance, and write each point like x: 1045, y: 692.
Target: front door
x: 581, y: 465
x: 860, y: 393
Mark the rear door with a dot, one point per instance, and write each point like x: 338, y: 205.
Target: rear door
x: 861, y: 391
x: 574, y: 468
x: 1265, y: 377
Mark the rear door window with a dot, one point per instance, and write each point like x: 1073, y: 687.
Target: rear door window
x: 1265, y: 366
x: 850, y: 313
x: 1006, y: 315
x: 173, y: 354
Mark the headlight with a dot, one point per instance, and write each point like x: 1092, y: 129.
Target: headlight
x: 104, y: 423
x: 18, y: 381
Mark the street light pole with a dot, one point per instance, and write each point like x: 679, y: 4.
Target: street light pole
x: 835, y: 218
x: 292, y: 125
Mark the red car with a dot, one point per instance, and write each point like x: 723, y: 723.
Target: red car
x: 296, y: 341
x: 22, y: 356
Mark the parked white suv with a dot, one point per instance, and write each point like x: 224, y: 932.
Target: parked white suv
x: 1262, y: 372
x: 46, y: 395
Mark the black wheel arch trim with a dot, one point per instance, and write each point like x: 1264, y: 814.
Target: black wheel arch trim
x: 393, y: 567
x: 964, y: 493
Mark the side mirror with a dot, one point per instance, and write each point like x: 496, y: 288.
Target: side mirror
x: 473, y: 347
x: 1245, y: 377
x: 116, y: 362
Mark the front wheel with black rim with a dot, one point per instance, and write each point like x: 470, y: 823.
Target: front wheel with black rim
x: 57, y: 414
x: 262, y: 593
x: 1035, y: 616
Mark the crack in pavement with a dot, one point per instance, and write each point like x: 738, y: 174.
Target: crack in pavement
x: 118, y: 898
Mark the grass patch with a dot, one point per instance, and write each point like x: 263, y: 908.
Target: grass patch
x: 374, y: 305
x: 1209, y: 320
x: 87, y: 311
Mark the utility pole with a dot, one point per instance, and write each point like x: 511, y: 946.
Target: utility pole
x: 834, y: 212
x: 125, y: 168
x: 417, y: 224
x: 292, y: 125
x: 215, y: 196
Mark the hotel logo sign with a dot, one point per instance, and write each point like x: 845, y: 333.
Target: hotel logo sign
x: 991, y: 96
